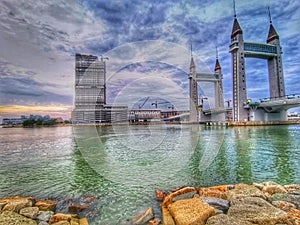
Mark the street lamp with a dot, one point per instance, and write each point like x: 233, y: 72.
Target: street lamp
x: 228, y: 103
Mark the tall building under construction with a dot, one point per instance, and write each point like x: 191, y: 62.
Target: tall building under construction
x: 90, y: 93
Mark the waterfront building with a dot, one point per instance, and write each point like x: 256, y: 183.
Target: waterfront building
x: 90, y: 93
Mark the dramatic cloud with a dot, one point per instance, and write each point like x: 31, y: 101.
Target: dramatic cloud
x: 147, y: 42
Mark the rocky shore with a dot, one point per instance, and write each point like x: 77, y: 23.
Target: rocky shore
x: 28, y: 211
x: 265, y: 203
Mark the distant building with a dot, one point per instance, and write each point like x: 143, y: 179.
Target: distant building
x: 22, y: 118
x: 90, y: 93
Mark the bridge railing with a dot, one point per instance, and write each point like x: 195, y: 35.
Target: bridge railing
x: 290, y: 96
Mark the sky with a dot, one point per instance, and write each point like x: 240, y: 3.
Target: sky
x: 147, y: 43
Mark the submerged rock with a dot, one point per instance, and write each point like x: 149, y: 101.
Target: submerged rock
x: 144, y: 217
x: 78, y: 208
x: 160, y: 195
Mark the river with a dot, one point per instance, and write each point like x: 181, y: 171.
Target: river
x: 123, y: 165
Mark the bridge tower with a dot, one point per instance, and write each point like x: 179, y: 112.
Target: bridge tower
x: 238, y: 72
x: 219, y: 97
x: 276, y: 80
x: 194, y: 115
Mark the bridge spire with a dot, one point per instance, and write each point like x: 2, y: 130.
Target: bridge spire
x: 273, y: 35
x: 217, y: 66
x: 236, y: 29
x: 192, y: 64
x: 234, y: 11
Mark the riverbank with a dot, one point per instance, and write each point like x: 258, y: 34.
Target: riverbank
x: 28, y: 211
x: 265, y: 203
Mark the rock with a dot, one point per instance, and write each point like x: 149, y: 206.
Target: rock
x: 223, y: 188
x: 16, y: 205
x: 61, y: 217
x: 90, y: 199
x: 11, y: 199
x: 144, y: 217
x: 226, y: 220
x: 43, y: 223
x: 46, y: 205
x: 288, y: 197
x: 295, y: 214
x: 61, y: 223
x: 217, y: 203
x: 292, y: 187
x: 258, y: 211
x: 166, y: 216
x: 191, y: 211
x: 259, y: 186
x: 186, y: 192
x: 273, y: 189
x: 241, y: 191
x: 211, y: 193
x: 155, y: 221
x: 285, y: 206
x: 13, y: 218
x: 160, y: 195
x: 78, y: 208
x: 30, y: 212
x: 2, y: 204
x: 83, y: 221
x: 44, y: 216
x: 74, y: 221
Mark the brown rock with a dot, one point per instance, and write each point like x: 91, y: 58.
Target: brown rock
x: 285, y: 206
x: 10, y: 199
x: 83, y: 221
x: 226, y: 220
x: 74, y: 221
x: 191, y: 211
x: 61, y: 223
x: 16, y: 205
x: 78, y: 208
x: 258, y: 211
x: 2, y: 204
x: 292, y: 187
x: 211, y: 192
x: 273, y: 189
x: 241, y: 191
x: 61, y: 217
x: 166, y: 216
x: 160, y: 195
x: 46, y: 205
x: 144, y: 217
x: 295, y: 214
x: 155, y: 221
x: 90, y: 199
x: 13, y: 218
x: 169, y: 199
x: 30, y: 212
x: 223, y: 188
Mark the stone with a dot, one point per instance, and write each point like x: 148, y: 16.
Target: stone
x: 155, y: 221
x: 44, y: 216
x: 292, y: 187
x: 61, y: 217
x: 185, y: 196
x: 226, y: 220
x: 259, y: 186
x: 160, y: 195
x: 13, y: 218
x: 257, y: 210
x: 76, y: 208
x: 217, y: 203
x: 223, y: 188
x: 46, y: 205
x: 295, y: 214
x: 16, y: 205
x: 166, y: 216
x: 285, y: 206
x: 61, y: 223
x: 2, y: 204
x: 11, y: 199
x: 83, y: 221
x: 241, y: 191
x: 90, y: 199
x: 273, y: 189
x: 30, y: 212
x: 43, y: 223
x: 191, y: 211
x: 144, y: 217
x: 211, y: 193
x: 183, y: 191
x: 287, y: 197
x: 74, y: 222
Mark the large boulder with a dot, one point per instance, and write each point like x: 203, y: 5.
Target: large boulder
x: 241, y: 191
x: 44, y: 216
x: 166, y: 216
x: 46, y: 205
x: 223, y: 219
x: 191, y: 211
x: 13, y: 218
x: 16, y: 205
x: 257, y: 210
x: 61, y: 217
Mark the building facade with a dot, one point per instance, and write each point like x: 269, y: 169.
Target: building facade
x: 90, y: 93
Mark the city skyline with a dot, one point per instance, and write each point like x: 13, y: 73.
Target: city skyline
x: 39, y: 41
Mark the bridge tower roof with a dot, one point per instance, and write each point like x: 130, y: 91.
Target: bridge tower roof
x: 236, y: 28
x: 272, y: 32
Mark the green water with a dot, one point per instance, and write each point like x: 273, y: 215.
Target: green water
x: 123, y: 166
